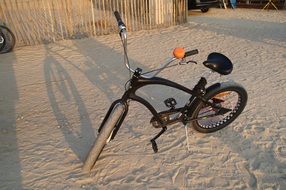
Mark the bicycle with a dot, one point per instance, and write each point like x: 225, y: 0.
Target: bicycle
x: 7, y: 39
x: 208, y: 109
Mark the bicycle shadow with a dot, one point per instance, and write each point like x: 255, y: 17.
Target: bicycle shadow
x: 63, y: 93
x: 106, y: 69
x: 60, y: 73
x: 107, y: 72
x: 93, y: 62
x: 109, y: 75
x: 112, y: 72
x: 10, y: 172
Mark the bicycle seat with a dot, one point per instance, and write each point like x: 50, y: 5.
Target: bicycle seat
x: 219, y: 63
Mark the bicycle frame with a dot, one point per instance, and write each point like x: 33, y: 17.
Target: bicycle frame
x: 137, y: 82
x: 140, y: 82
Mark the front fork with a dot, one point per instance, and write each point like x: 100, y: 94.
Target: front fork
x: 119, y: 122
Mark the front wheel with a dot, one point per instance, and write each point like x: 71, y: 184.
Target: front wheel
x: 207, y: 119
x: 104, y: 136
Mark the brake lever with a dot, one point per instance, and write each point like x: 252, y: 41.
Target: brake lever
x: 192, y: 62
x: 184, y: 62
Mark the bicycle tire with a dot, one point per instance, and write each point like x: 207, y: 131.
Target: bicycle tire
x: 223, y: 88
x: 2, y: 41
x: 103, y: 137
x: 9, y: 38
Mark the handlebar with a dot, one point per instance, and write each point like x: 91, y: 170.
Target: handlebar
x: 123, y: 35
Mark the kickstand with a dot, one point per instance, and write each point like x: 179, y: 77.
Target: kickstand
x: 153, y: 141
x: 187, y: 137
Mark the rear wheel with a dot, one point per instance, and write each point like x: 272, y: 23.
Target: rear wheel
x: 9, y: 39
x: 207, y: 119
x: 104, y: 136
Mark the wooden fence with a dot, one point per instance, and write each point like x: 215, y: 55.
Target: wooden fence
x: 43, y: 21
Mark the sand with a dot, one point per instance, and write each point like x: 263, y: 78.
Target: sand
x: 53, y: 98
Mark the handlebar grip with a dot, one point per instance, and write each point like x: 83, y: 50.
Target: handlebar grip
x: 117, y: 16
x: 119, y: 20
x: 192, y: 52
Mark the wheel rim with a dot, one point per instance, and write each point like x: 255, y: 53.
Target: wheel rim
x: 226, y: 99
x: 1, y: 40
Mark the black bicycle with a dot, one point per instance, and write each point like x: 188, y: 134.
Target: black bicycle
x: 7, y: 39
x: 208, y: 109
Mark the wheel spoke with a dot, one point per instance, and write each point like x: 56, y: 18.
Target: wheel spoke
x: 212, y: 117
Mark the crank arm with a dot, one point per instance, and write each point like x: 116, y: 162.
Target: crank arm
x: 153, y: 141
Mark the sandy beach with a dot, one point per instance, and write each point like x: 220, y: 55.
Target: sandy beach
x: 53, y: 98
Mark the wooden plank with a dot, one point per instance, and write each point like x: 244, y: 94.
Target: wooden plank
x: 14, y: 25
x: 51, y: 31
x: 109, y: 15
x: 17, y: 20
x: 93, y: 17
x: 101, y: 22
x: 60, y: 19
x: 46, y: 22
x: 104, y: 16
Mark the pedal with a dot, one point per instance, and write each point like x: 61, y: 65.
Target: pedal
x: 170, y: 103
x: 153, y: 141
x: 154, y: 145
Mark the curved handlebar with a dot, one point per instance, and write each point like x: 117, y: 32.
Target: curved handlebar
x: 117, y: 16
x: 123, y: 35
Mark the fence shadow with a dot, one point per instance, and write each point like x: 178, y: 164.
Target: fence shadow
x: 257, y: 31
x: 10, y: 172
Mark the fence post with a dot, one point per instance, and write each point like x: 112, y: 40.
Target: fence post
x: 93, y: 19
